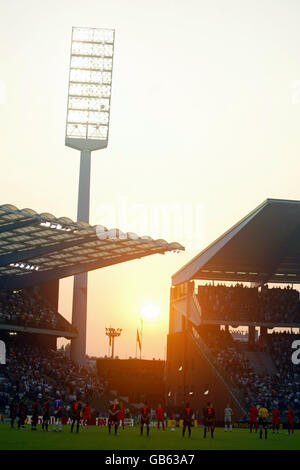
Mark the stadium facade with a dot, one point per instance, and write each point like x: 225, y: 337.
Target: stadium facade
x: 264, y: 247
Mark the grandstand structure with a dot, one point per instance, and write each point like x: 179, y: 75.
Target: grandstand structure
x: 36, y: 251
x: 224, y: 286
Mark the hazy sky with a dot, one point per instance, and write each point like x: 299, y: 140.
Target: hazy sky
x: 204, y: 125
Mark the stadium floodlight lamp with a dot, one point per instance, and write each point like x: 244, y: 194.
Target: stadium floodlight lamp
x: 113, y: 333
x: 180, y: 368
x: 90, y: 82
x: 87, y: 127
x: 24, y: 266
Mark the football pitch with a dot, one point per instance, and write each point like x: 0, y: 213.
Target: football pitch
x: 95, y: 438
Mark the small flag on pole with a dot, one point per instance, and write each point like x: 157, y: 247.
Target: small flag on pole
x: 138, y: 339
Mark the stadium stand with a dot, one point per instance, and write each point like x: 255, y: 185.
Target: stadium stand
x: 240, y: 281
x: 18, y: 307
x: 37, y: 372
x: 240, y: 302
x: 261, y: 362
x: 279, y: 388
x: 226, y: 367
x: 34, y: 368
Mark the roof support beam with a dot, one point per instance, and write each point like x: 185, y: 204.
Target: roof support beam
x: 22, y: 223
x: 17, y: 256
x: 34, y: 278
x: 39, y: 331
x: 236, y: 324
x: 286, y: 248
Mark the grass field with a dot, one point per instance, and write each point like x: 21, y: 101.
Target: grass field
x: 98, y: 438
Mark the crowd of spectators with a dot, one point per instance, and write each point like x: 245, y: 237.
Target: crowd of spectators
x: 278, y: 390
x: 19, y: 308
x: 242, y: 303
x: 37, y: 373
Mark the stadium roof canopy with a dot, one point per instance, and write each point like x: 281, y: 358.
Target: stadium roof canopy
x: 263, y: 247
x: 36, y: 248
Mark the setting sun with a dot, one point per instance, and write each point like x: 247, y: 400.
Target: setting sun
x: 150, y: 311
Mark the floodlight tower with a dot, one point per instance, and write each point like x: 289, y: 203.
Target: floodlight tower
x: 87, y: 129
x: 113, y: 333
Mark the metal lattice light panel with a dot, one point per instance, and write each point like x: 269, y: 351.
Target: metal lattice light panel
x: 90, y: 83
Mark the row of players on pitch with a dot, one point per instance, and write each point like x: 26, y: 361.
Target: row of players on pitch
x: 209, y: 414
x: 116, y: 415
x: 258, y: 417
x: 19, y: 409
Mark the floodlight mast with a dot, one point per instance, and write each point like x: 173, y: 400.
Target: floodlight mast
x: 87, y: 129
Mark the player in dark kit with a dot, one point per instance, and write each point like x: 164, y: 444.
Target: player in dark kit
x: 187, y: 419
x: 35, y: 415
x: 75, y: 410
x: 22, y: 413
x: 290, y: 420
x: 113, y: 416
x: 13, y: 409
x: 275, y: 419
x: 46, y: 414
x: 209, y: 414
x: 145, y: 418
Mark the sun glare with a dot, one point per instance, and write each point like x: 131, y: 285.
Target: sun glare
x: 150, y: 311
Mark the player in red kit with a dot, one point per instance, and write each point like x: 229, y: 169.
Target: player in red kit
x: 253, y: 413
x: 275, y: 419
x: 121, y: 415
x: 290, y: 420
x: 209, y: 413
x: 145, y: 418
x: 160, y: 416
x: 113, y: 413
x: 86, y: 414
